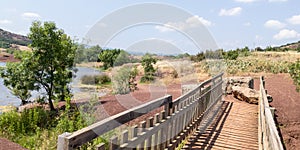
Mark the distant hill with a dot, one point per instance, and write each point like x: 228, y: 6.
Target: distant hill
x: 8, y: 38
x: 291, y: 46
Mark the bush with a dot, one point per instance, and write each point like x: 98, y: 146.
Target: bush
x: 231, y: 55
x: 294, y: 70
x: 149, y: 71
x: 95, y: 79
x: 123, y: 80
x: 38, y: 128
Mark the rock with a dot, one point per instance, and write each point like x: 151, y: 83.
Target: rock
x: 229, y: 82
x: 245, y: 94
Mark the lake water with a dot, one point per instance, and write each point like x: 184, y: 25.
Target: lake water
x: 6, y: 98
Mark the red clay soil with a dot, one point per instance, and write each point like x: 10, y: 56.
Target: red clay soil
x: 6, y: 57
x: 8, y: 145
x: 286, y: 100
x: 114, y: 104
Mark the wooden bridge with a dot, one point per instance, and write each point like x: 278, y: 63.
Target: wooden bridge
x: 200, y: 119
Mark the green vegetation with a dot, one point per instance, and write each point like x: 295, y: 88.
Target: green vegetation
x: 8, y: 38
x: 38, y: 128
x: 149, y: 71
x: 294, y: 70
x: 95, y: 79
x: 115, y: 57
x: 221, y: 54
x: 124, y: 80
x: 108, y: 57
x: 19, y: 79
x: 48, y: 67
x: 87, y: 54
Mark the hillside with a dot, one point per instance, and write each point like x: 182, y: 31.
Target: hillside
x: 8, y: 38
x: 292, y: 46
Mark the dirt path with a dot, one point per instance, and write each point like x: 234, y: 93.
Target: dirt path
x: 8, y: 145
x: 286, y: 100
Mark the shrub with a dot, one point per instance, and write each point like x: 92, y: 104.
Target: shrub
x: 294, y: 71
x: 124, y: 80
x: 95, y: 79
x: 231, y: 55
x: 149, y: 71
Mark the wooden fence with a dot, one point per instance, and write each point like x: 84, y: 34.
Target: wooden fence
x: 166, y: 129
x: 268, y: 135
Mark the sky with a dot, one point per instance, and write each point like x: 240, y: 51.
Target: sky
x: 230, y: 23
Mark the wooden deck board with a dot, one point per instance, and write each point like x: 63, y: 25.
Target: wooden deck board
x: 235, y: 127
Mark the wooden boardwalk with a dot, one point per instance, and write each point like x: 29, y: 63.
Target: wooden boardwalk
x: 234, y: 127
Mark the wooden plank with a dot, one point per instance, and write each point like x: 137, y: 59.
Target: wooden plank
x: 93, y: 131
x: 269, y: 137
x: 124, y: 138
x: 141, y: 145
x: 63, y: 142
x: 100, y: 146
x: 113, y: 144
x: 156, y: 134
x: 87, y: 134
x: 149, y: 125
x: 192, y: 92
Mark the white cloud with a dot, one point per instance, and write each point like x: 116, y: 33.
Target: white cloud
x: 189, y: 23
x: 294, y: 20
x: 30, y: 15
x: 164, y: 28
x: 278, y: 0
x: 286, y: 34
x: 247, y: 24
x: 246, y: 1
x: 194, y: 21
x: 230, y: 12
x: 274, y: 24
x: 5, y: 21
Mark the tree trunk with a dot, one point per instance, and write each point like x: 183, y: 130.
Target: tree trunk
x: 50, y: 102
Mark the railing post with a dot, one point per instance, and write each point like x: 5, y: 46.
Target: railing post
x: 62, y: 142
x: 168, y: 106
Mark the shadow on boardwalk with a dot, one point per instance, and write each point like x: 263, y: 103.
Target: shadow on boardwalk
x: 234, y: 127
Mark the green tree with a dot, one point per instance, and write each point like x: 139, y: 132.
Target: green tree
x: 52, y: 60
x: 108, y: 57
x: 149, y: 70
x: 18, y: 78
x: 92, y: 53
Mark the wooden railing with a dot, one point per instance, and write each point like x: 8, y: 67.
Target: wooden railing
x: 166, y: 129
x: 268, y: 135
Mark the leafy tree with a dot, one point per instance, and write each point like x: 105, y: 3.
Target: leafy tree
x: 52, y: 59
x: 122, y: 58
x: 87, y: 54
x: 149, y: 70
x: 18, y: 78
x: 108, y: 57
x: 93, y: 52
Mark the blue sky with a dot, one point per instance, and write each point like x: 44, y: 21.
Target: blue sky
x: 232, y: 23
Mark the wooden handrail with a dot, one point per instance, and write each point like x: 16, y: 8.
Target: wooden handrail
x: 268, y: 135
x: 176, y: 118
